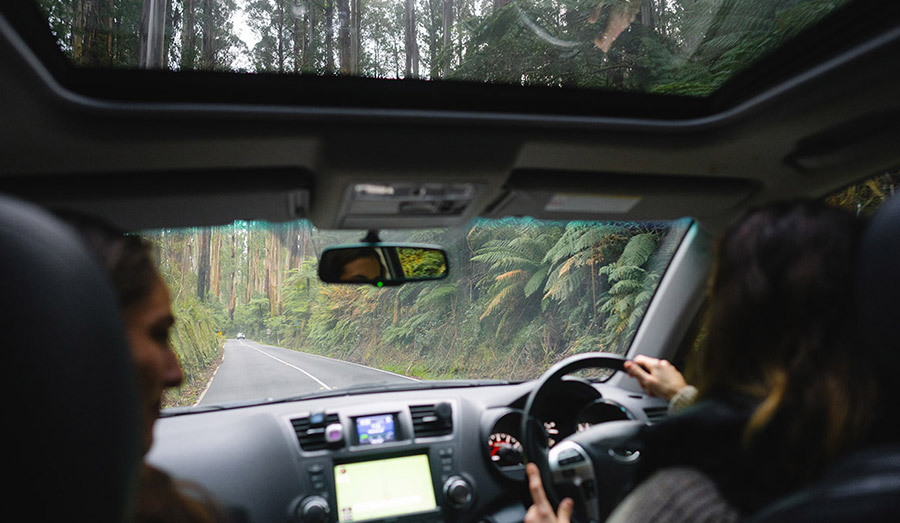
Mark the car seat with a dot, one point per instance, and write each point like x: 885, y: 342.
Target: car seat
x: 72, y: 420
x: 865, y: 485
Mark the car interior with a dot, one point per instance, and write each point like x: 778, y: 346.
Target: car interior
x: 160, y: 148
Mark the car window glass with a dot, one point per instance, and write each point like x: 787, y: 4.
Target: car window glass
x: 685, y: 47
x: 865, y: 197
x: 521, y: 294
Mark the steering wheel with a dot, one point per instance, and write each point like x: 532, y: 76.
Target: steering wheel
x: 595, y: 467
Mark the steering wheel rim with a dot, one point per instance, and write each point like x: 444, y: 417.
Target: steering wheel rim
x: 533, y: 450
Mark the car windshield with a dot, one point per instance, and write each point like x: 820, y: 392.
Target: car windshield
x: 686, y: 47
x: 255, y: 322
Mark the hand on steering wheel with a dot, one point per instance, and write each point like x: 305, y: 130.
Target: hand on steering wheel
x: 541, y: 511
x: 572, y: 465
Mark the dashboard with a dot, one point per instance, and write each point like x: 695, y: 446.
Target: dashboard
x: 434, y: 455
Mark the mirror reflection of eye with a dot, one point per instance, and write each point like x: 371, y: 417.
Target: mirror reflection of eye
x: 382, y: 264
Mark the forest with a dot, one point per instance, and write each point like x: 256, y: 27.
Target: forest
x: 521, y: 294
x: 687, y: 47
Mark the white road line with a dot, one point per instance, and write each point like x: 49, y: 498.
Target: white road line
x: 211, y: 378
x: 363, y: 366
x: 317, y: 380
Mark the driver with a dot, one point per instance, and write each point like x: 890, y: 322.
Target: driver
x: 354, y: 265
x: 778, y: 396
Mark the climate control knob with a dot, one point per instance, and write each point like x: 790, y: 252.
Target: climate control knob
x: 313, y: 509
x: 457, y: 492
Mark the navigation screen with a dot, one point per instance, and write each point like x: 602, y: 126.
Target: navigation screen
x: 375, y: 430
x: 383, y: 488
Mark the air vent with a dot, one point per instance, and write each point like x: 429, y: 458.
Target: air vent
x: 432, y: 420
x: 656, y: 413
x: 311, y: 430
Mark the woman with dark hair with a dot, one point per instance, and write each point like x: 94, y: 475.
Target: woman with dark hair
x: 778, y: 395
x: 146, y: 311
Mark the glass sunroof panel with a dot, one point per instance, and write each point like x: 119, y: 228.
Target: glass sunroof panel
x: 686, y: 47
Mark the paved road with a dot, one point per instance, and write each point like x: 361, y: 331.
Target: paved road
x: 251, y: 370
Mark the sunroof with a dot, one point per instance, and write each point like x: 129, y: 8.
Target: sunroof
x: 684, y: 47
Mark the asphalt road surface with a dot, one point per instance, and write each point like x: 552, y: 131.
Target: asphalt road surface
x: 251, y: 371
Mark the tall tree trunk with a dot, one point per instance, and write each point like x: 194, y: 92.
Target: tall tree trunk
x: 298, y: 33
x: 280, y: 36
x: 232, y: 299
x: 355, y: 34
x: 329, y: 36
x: 92, y: 49
x: 447, y: 26
x: 203, y: 266
x: 188, y: 35
x: 153, y: 34
x: 215, y: 271
x: 344, y: 35
x: 250, y: 274
x: 208, y: 53
x: 308, y: 58
x: 411, y: 40
x: 648, y: 13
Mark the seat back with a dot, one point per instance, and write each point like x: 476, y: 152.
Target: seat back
x: 865, y: 485
x: 72, y: 409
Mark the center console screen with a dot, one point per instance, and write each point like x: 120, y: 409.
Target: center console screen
x: 375, y: 430
x: 384, y: 488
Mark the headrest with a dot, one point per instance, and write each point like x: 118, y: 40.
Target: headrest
x: 72, y: 404
x: 878, y: 284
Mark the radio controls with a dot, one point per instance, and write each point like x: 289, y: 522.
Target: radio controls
x: 458, y: 492
x: 313, y: 509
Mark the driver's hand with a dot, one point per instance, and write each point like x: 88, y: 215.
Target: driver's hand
x: 542, y: 511
x: 660, y: 379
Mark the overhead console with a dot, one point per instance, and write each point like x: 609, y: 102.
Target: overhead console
x: 407, y: 204
x: 380, y: 462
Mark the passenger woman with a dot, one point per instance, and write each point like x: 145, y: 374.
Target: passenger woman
x: 143, y: 299
x: 778, y: 394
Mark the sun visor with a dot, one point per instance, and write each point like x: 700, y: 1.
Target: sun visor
x: 607, y: 196
x: 151, y: 200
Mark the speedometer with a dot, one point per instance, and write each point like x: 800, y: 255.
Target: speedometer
x: 505, y: 450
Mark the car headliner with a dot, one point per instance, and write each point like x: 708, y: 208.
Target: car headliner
x: 144, y: 150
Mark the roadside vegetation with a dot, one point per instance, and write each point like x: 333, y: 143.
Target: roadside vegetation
x: 521, y: 295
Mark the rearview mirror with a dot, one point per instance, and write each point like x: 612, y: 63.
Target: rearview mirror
x: 382, y: 264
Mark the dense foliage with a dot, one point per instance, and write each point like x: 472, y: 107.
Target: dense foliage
x: 521, y: 294
x: 687, y: 47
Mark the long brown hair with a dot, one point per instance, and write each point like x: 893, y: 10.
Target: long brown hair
x: 780, y: 331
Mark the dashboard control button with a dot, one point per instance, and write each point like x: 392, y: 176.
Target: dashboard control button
x: 313, y: 509
x: 458, y: 492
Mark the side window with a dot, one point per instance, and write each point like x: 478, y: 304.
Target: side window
x: 865, y: 197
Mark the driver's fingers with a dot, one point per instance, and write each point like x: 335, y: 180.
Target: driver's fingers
x: 564, y: 515
x: 538, y: 496
x: 647, y: 361
x: 637, y: 372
